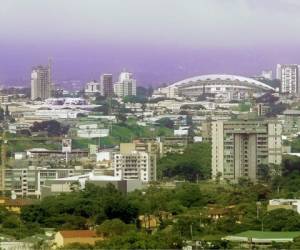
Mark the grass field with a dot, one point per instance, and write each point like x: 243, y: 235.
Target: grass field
x: 268, y: 234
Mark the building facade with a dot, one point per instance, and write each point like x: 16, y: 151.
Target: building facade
x: 126, y: 85
x: 241, y: 148
x: 135, y: 161
x: 289, y: 76
x: 41, y: 82
x: 106, y: 81
x: 27, y: 181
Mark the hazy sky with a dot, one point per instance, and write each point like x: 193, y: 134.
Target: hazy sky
x: 159, y: 40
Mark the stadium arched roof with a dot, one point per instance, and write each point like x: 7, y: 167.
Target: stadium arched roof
x: 222, y: 77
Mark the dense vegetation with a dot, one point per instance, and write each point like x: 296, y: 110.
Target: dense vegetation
x: 194, y: 164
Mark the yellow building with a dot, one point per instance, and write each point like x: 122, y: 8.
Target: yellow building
x: 63, y: 238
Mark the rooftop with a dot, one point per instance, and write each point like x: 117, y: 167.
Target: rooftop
x: 78, y: 233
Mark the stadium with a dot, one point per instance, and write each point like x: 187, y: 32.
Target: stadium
x: 231, y: 87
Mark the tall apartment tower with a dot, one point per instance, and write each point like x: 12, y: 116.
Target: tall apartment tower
x: 289, y: 76
x: 41, y: 82
x: 126, y: 85
x: 240, y: 148
x: 106, y: 80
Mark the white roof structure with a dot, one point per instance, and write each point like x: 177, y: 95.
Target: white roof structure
x: 223, y: 77
x: 90, y: 177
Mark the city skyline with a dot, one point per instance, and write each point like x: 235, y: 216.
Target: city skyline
x: 160, y: 42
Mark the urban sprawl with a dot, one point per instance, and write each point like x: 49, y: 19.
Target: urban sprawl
x: 208, y: 162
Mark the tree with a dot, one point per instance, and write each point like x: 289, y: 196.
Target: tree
x: 52, y: 127
x: 263, y: 172
x: 114, y: 227
x: 282, y: 220
x: 166, y: 122
x: 194, y: 164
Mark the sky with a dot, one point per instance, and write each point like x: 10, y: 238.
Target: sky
x: 160, y: 41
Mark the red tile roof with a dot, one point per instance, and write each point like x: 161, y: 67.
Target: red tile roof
x: 78, y: 233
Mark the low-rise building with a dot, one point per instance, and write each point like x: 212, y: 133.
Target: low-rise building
x: 27, y: 181
x: 292, y: 204
x: 17, y: 127
x: 67, y: 237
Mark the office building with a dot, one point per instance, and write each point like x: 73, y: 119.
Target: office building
x: 126, y: 85
x: 106, y: 81
x: 41, y: 82
x: 289, y: 76
x: 240, y: 148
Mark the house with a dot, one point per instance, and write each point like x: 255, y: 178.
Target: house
x: 63, y: 238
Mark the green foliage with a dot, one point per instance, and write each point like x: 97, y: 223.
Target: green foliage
x: 277, y: 109
x: 72, y: 210
x: 295, y: 145
x: 282, y: 220
x: 114, y: 227
x: 52, y: 127
x: 166, y: 122
x: 134, y: 99
x: 141, y: 240
x: 193, y: 164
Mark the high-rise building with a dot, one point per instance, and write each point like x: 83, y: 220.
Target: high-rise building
x: 289, y: 76
x: 41, y: 82
x: 106, y: 81
x: 126, y: 85
x: 243, y: 148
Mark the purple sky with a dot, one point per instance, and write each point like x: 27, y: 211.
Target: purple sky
x: 161, y: 41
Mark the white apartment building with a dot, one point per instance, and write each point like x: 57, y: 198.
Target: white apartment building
x: 135, y: 161
x: 132, y: 166
x: 289, y: 76
x: 41, y: 82
x: 126, y: 85
x: 239, y: 148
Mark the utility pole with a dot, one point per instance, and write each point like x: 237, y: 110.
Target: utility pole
x: 191, y: 229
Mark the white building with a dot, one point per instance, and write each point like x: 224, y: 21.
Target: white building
x: 126, y: 85
x: 91, y: 131
x: 289, y: 76
x: 104, y: 156
x: 41, y: 82
x: 292, y: 204
x: 132, y: 166
x: 93, y: 87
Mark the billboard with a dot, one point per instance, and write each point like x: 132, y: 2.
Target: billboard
x: 67, y: 145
